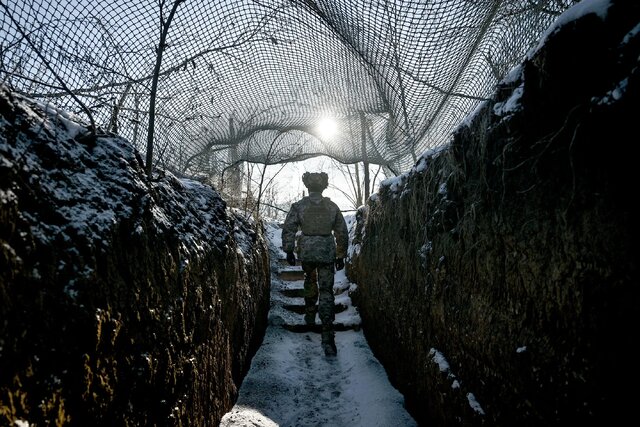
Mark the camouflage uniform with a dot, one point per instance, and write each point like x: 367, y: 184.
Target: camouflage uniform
x: 317, y: 248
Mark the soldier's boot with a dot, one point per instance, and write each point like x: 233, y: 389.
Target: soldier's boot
x: 328, y: 342
x: 310, y: 310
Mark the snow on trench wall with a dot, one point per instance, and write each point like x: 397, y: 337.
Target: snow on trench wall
x: 497, y: 281
x: 123, y: 301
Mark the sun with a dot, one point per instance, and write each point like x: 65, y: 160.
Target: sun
x: 327, y: 127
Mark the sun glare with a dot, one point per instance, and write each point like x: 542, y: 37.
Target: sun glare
x: 327, y: 127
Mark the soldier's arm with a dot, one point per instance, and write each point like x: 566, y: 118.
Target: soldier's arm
x: 290, y: 228
x: 341, y: 234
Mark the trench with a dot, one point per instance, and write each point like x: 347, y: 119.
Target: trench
x: 292, y: 383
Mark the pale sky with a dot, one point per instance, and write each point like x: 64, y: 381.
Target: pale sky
x: 289, y: 180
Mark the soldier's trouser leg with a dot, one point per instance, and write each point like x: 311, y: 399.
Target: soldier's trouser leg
x: 326, y: 301
x: 326, y: 307
x: 310, y: 292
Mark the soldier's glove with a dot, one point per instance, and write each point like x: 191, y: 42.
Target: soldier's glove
x: 339, y: 263
x: 291, y: 258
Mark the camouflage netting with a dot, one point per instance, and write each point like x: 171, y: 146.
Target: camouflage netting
x: 249, y: 80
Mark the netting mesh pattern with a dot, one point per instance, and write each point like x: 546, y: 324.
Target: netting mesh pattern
x: 249, y: 80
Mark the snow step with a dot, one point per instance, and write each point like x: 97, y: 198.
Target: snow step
x: 293, y: 293
x: 300, y: 309
x: 303, y: 327
x: 291, y: 275
x: 285, y: 263
x: 299, y: 292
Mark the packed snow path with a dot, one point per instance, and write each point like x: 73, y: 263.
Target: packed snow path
x: 291, y: 383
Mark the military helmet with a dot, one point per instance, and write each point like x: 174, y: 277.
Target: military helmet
x: 315, y: 181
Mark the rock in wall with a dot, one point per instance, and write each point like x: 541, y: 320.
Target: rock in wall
x: 497, y: 281
x: 123, y: 300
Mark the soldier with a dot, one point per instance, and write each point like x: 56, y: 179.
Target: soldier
x: 319, y: 251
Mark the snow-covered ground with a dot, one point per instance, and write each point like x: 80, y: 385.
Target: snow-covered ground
x: 292, y: 383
